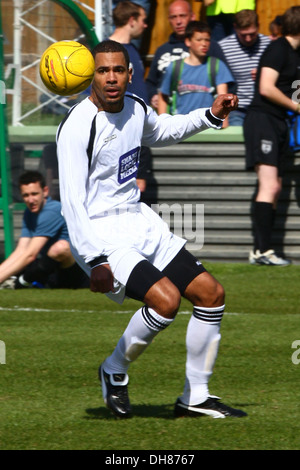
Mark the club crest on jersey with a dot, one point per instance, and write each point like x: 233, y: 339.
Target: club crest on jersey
x: 128, y: 165
x: 266, y: 146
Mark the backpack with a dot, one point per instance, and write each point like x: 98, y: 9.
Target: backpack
x: 212, y: 64
x: 294, y: 129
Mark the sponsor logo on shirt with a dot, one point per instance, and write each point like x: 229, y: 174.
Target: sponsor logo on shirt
x: 128, y: 165
x: 111, y: 137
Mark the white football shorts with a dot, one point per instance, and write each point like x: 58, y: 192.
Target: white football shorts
x: 135, y: 234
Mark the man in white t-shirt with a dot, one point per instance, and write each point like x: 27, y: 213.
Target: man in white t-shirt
x: 124, y: 245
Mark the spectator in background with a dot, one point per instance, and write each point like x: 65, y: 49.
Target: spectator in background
x: 275, y: 28
x: 242, y: 51
x: 220, y: 15
x: 267, y: 134
x: 146, y: 5
x: 43, y: 256
x: 194, y: 87
x: 130, y: 22
x: 180, y: 14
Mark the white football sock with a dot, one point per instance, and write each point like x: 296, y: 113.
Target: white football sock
x: 142, y: 328
x: 202, y: 343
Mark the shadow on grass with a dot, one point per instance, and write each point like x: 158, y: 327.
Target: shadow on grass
x: 148, y: 411
x: 142, y: 411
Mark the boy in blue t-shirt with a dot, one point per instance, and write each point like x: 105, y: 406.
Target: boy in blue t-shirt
x: 194, y: 88
x: 43, y: 256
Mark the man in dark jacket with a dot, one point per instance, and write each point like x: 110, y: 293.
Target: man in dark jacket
x: 180, y: 14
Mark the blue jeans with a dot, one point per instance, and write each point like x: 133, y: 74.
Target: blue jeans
x: 236, y: 118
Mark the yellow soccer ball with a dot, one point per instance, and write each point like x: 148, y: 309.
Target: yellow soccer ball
x: 67, y: 68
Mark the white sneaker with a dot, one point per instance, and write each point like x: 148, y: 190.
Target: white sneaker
x: 252, y: 257
x: 9, y: 283
x: 269, y: 258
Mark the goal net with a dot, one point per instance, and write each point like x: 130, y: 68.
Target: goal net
x: 30, y: 27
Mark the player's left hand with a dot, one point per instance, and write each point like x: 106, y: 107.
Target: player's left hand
x: 102, y: 279
x: 224, y: 104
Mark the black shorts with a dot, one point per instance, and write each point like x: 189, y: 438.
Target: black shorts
x: 181, y: 271
x: 266, y: 140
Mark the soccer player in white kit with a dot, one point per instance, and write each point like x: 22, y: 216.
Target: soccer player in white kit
x: 126, y: 247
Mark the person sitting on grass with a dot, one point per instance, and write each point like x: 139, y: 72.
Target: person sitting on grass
x: 42, y: 257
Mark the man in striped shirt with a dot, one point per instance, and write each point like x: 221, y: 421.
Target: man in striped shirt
x: 242, y: 51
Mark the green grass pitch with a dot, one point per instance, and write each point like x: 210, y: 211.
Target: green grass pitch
x: 50, y: 398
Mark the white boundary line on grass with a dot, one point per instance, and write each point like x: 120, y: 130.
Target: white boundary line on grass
x: 119, y: 312
x: 28, y: 309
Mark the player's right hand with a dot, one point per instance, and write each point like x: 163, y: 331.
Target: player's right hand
x: 102, y: 279
x: 224, y: 104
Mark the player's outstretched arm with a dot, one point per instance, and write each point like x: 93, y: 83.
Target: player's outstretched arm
x: 224, y: 104
x: 164, y: 129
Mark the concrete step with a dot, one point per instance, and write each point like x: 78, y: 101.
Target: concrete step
x: 189, y: 214
x: 236, y: 253
x: 243, y: 208
x: 211, y: 149
x: 200, y: 163
x: 208, y: 179
x: 188, y: 193
x: 203, y: 193
x: 239, y: 237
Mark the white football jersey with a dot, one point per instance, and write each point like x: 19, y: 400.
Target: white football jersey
x: 98, y: 155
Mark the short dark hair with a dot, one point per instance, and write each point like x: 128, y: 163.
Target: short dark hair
x: 124, y: 11
x: 32, y: 177
x: 245, y: 18
x: 111, y: 46
x: 291, y: 22
x: 196, y: 27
